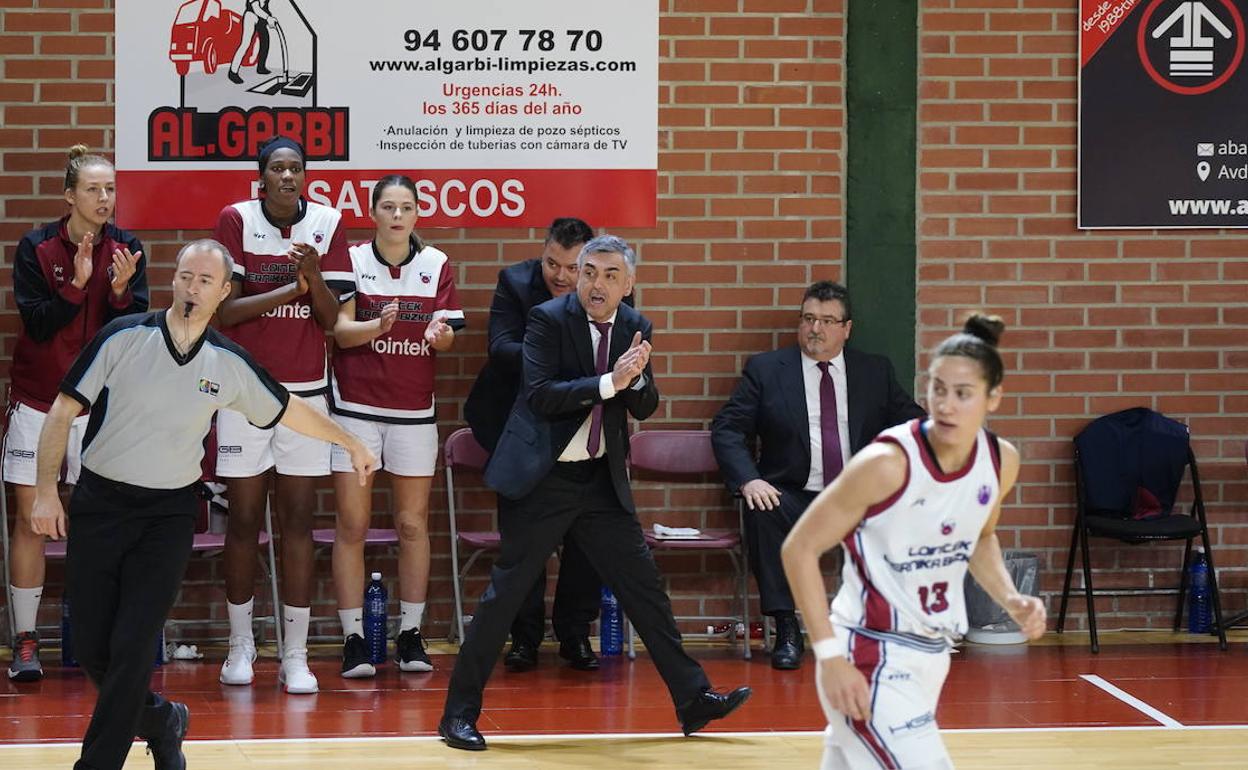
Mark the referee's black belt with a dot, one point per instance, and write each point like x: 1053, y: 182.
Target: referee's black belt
x: 94, y: 481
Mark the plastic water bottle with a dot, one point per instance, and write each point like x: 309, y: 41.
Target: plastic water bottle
x: 160, y: 649
x: 611, y: 626
x: 375, y: 619
x: 67, y: 648
x: 1198, y: 619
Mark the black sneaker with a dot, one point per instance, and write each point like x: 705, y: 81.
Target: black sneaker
x: 356, y: 662
x: 410, y: 652
x: 166, y: 750
x: 25, y: 666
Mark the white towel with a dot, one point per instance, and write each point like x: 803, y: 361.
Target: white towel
x: 676, y: 533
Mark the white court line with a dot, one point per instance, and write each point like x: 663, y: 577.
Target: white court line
x: 505, y: 737
x: 1132, y: 701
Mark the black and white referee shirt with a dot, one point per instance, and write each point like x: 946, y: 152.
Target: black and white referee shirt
x: 151, y: 406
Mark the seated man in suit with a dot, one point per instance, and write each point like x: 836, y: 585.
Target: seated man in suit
x: 811, y: 406
x: 521, y: 287
x: 561, y: 458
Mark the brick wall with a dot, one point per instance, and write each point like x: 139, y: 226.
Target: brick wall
x: 1100, y: 320
x: 750, y: 152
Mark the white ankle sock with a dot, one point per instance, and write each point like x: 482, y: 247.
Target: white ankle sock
x: 352, y: 621
x: 295, y: 629
x: 25, y: 607
x: 410, y: 615
x: 240, y: 617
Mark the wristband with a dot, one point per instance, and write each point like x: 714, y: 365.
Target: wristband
x: 825, y: 649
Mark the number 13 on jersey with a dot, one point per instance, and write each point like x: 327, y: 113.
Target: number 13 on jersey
x: 932, y: 599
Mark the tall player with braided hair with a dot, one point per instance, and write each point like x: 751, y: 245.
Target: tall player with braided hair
x: 914, y: 511
x: 290, y: 264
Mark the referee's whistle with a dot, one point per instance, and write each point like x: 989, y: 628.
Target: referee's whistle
x: 187, y: 307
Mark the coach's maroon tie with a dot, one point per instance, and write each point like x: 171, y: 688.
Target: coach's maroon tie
x: 595, y: 417
x: 828, y: 428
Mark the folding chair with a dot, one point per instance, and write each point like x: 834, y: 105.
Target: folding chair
x: 9, y: 622
x: 52, y: 549
x: 462, y: 452
x: 687, y: 455
x: 1116, y: 456
x: 324, y: 538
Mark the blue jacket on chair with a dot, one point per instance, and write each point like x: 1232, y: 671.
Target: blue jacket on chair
x: 1120, y: 452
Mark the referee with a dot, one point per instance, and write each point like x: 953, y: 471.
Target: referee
x: 153, y: 382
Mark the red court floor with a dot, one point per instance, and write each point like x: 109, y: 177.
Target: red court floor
x: 1014, y: 687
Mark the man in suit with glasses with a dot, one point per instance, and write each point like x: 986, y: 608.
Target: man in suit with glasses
x: 810, y: 406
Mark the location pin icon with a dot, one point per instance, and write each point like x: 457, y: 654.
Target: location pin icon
x: 1202, y: 170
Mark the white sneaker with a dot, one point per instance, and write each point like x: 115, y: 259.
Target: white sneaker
x: 299, y: 680
x: 237, y: 666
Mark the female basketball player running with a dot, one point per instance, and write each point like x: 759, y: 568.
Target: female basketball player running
x: 914, y: 510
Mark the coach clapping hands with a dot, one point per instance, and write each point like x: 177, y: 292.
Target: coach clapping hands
x: 631, y: 363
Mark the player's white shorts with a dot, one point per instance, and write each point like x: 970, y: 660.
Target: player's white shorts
x: 905, y: 685
x: 244, y: 450
x: 403, y: 450
x: 21, y: 446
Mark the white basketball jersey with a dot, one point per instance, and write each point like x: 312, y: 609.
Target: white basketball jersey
x: 905, y: 563
x: 390, y: 379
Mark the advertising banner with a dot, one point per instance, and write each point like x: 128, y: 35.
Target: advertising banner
x: 1163, y: 114
x: 507, y: 114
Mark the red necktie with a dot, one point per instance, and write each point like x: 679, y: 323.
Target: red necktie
x: 828, y: 428
x: 595, y: 417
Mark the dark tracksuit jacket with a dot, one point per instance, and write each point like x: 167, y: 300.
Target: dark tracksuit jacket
x: 59, y: 319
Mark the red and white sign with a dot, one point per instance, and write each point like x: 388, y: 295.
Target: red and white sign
x: 505, y: 113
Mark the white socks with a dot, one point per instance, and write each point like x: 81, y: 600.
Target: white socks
x: 352, y: 621
x: 295, y: 627
x: 25, y: 607
x: 411, y: 615
x: 240, y: 617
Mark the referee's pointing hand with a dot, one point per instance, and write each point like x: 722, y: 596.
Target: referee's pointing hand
x: 47, y: 517
x: 363, y: 460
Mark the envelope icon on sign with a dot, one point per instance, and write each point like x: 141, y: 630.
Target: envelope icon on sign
x: 1204, y: 149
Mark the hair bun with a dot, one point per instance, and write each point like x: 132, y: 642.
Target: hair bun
x: 988, y: 328
x: 78, y: 150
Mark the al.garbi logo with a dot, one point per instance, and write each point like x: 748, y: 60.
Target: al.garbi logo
x: 247, y: 69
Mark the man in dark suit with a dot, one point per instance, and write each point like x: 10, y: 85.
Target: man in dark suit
x: 562, y: 458
x: 810, y: 406
x: 520, y: 288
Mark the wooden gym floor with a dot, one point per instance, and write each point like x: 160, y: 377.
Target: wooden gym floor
x: 1162, y: 704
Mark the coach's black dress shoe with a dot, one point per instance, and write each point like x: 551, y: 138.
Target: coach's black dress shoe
x: 460, y: 733
x: 708, y: 706
x: 579, y: 654
x: 521, y: 657
x: 786, y: 653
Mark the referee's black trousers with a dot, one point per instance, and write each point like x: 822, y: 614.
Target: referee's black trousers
x: 128, y: 549
x: 577, y: 499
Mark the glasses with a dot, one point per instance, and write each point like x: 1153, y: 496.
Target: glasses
x: 814, y: 320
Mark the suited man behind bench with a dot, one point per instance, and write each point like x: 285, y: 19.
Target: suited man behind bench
x: 561, y: 457
x: 810, y: 406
